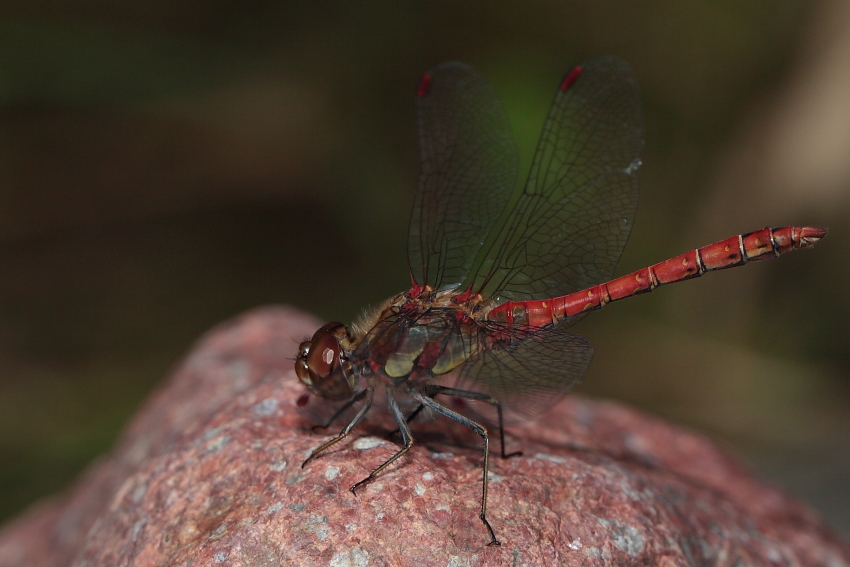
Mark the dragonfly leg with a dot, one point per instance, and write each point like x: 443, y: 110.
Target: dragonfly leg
x: 357, y: 397
x: 480, y: 430
x: 408, y: 419
x: 434, y: 389
x: 345, y: 430
x: 405, y: 435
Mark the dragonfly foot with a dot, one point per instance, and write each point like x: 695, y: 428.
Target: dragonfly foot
x: 312, y: 456
x: 514, y: 454
x: 354, y: 488
x: 493, y: 540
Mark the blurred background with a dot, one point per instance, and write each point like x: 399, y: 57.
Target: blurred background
x: 165, y: 165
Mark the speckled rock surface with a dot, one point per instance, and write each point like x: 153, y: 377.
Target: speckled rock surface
x: 209, y: 473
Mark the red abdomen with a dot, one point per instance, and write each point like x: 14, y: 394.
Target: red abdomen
x: 734, y: 251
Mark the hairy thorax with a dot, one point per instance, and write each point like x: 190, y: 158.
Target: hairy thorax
x: 417, y: 335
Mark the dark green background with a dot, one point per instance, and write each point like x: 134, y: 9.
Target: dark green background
x: 165, y: 165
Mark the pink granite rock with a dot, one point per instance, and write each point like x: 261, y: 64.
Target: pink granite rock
x: 209, y: 473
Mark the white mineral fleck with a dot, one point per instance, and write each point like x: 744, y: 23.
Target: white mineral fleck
x: 367, y: 443
x: 331, y: 472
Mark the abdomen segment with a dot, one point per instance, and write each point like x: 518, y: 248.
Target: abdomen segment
x: 734, y: 251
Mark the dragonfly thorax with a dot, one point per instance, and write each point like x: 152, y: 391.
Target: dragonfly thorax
x: 417, y: 343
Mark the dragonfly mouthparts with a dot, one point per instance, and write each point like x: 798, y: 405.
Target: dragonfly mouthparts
x: 810, y: 234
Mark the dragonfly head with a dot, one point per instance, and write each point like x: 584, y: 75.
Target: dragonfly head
x: 321, y: 365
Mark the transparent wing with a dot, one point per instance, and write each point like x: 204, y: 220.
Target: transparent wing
x: 468, y: 164
x: 528, y: 369
x: 566, y: 229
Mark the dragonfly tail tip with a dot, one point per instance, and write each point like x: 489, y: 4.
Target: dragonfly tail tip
x: 811, y: 234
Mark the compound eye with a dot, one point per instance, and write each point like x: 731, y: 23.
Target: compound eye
x: 321, y: 367
x: 323, y: 354
x: 302, y: 370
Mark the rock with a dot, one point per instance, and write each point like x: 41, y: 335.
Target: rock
x: 209, y: 473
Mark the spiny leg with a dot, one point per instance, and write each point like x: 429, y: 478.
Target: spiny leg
x: 346, y: 430
x: 357, y: 397
x: 433, y: 389
x: 405, y: 435
x: 480, y: 430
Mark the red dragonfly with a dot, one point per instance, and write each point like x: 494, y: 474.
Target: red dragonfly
x: 499, y: 273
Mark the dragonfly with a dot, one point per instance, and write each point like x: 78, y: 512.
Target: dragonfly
x: 499, y: 271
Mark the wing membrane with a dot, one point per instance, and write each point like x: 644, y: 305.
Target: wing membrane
x: 468, y: 164
x: 565, y: 230
x: 529, y: 369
